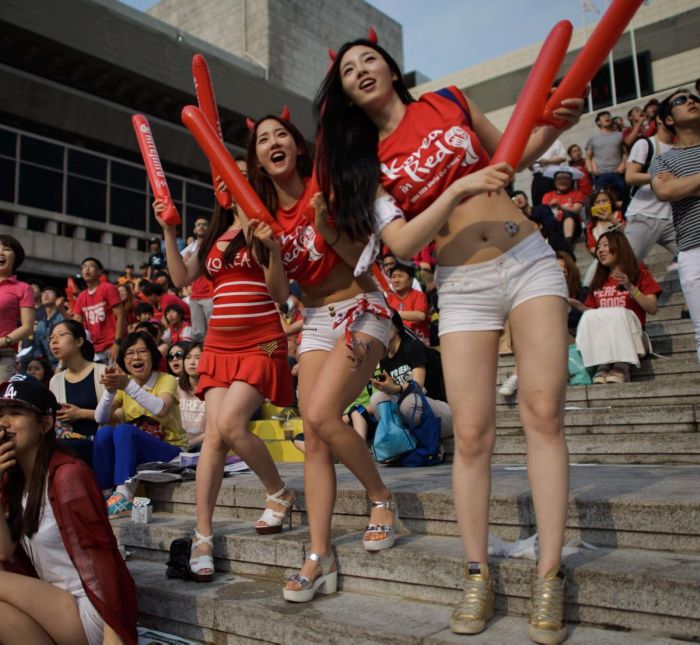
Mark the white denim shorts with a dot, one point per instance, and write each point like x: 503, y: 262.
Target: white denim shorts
x: 323, y: 326
x: 479, y: 297
x: 93, y: 623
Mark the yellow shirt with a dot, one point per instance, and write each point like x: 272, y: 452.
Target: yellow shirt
x: 159, y: 383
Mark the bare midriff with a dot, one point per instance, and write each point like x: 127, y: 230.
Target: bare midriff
x: 476, y: 230
x: 341, y: 284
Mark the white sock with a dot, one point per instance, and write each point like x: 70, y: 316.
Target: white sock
x: 128, y: 488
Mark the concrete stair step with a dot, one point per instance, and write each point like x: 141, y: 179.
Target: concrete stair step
x: 680, y: 365
x: 649, y: 507
x: 246, y: 609
x: 665, y: 389
x: 622, y: 588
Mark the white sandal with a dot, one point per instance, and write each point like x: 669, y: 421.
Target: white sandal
x: 389, y: 531
x: 325, y: 583
x: 275, y: 519
x: 202, y: 562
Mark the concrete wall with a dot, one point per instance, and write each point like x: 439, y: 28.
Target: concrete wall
x: 289, y: 37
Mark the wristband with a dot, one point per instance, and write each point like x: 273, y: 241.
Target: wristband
x: 638, y: 292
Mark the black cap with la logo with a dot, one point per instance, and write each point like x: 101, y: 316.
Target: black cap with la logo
x: 27, y: 392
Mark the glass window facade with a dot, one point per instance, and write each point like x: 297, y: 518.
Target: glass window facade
x: 50, y: 175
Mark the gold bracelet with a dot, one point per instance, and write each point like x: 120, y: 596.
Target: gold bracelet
x: 638, y: 292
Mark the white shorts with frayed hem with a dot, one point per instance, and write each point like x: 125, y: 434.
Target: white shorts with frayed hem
x: 318, y: 332
x: 479, y: 297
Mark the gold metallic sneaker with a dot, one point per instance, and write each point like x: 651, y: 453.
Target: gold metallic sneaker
x: 546, y: 625
x: 471, y: 615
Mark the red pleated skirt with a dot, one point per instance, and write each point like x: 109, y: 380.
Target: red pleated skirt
x: 255, y: 356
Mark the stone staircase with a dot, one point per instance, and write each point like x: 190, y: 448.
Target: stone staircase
x: 635, y: 495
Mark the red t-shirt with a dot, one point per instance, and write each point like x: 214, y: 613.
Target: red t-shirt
x: 566, y: 200
x: 432, y: 146
x: 96, y: 309
x: 609, y: 296
x: 307, y: 257
x: 13, y: 296
x: 414, y: 300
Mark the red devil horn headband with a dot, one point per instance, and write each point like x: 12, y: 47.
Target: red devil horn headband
x: 285, y: 115
x: 371, y: 36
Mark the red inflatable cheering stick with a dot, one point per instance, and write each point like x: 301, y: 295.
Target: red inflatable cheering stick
x: 204, y: 90
x: 533, y: 97
x: 221, y: 159
x: 154, y: 169
x: 591, y: 57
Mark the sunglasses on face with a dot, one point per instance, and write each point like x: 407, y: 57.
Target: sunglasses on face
x: 174, y: 355
x: 682, y: 100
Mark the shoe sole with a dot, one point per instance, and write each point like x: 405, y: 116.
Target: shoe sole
x: 268, y: 530
x: 471, y: 626
x: 546, y: 636
x: 119, y: 515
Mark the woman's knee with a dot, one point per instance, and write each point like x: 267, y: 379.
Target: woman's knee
x: 104, y: 435
x: 542, y: 414
x: 314, y: 446
x: 232, y: 428
x: 321, y: 422
x: 473, y: 439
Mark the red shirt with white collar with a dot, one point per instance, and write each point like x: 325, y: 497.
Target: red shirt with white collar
x: 433, y: 145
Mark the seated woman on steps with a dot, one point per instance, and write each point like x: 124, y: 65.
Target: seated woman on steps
x: 610, y: 332
x: 62, y: 578
x: 143, y: 406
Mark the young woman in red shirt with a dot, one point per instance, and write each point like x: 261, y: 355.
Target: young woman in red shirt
x: 62, y: 578
x: 493, y: 265
x: 244, y: 362
x: 345, y: 333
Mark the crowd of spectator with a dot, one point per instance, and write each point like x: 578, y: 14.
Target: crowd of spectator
x: 121, y: 356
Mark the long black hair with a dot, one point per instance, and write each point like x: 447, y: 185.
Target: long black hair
x: 12, y: 487
x: 220, y: 221
x: 346, y: 147
x: 258, y: 178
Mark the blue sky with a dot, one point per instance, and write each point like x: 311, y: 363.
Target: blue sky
x: 444, y: 36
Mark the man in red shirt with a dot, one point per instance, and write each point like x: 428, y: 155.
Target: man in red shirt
x: 100, y: 310
x: 566, y: 204
x: 411, y: 304
x: 201, y: 297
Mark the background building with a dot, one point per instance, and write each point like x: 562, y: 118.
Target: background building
x: 288, y: 38
x: 72, y: 182
x: 663, y: 36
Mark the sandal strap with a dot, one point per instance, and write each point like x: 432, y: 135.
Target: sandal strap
x: 278, y: 499
x: 379, y: 528
x: 271, y: 514
x: 303, y: 581
x: 324, y: 563
x: 202, y: 539
x: 389, y: 504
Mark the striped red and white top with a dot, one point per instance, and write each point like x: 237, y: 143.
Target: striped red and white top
x: 241, y: 298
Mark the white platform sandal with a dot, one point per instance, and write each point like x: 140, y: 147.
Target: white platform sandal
x: 325, y: 583
x: 202, y: 567
x: 275, y: 519
x: 389, y: 531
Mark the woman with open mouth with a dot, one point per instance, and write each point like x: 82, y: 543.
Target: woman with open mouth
x: 142, y: 406
x: 16, y: 304
x: 345, y: 333
x: 431, y: 158
x: 62, y: 578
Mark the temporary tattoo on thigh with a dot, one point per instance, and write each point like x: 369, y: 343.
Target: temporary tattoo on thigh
x: 360, y: 350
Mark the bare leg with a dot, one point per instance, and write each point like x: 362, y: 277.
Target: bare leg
x: 53, y: 610
x: 569, y: 227
x: 542, y: 367
x: 16, y: 626
x: 210, y: 468
x: 469, y: 364
x: 328, y: 383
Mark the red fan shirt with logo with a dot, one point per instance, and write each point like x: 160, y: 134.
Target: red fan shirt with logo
x: 432, y: 146
x: 96, y: 309
x: 306, y: 255
x: 609, y: 295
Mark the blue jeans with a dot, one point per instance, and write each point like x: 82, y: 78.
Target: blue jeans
x: 118, y: 450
